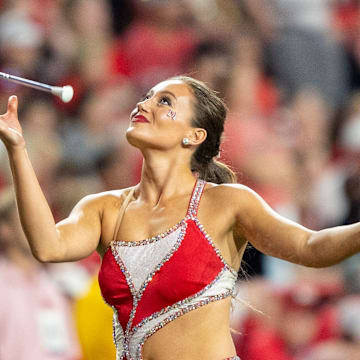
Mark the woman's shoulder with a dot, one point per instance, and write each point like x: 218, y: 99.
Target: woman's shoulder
x: 106, y: 198
x: 231, y: 194
x: 228, y: 189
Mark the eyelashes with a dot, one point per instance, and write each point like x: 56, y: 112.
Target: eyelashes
x: 144, y: 97
x: 163, y: 100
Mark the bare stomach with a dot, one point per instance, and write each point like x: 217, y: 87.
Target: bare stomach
x: 201, y: 334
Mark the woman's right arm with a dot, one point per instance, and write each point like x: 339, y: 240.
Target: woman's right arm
x: 71, y: 239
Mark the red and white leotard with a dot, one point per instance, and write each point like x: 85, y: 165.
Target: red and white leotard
x: 152, y: 282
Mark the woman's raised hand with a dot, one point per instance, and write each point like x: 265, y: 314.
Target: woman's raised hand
x: 10, y: 128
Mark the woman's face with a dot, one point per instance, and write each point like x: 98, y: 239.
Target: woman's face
x: 163, y: 118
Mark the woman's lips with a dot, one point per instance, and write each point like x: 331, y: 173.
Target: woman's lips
x: 140, y: 118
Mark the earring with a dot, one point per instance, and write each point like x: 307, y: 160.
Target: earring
x: 186, y: 141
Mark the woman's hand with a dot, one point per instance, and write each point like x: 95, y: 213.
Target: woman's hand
x: 10, y: 128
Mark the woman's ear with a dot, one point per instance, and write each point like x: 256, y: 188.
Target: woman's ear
x: 197, y: 136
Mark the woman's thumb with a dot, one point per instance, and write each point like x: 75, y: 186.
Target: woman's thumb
x: 12, y: 103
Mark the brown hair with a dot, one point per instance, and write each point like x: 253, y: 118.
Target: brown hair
x: 210, y: 114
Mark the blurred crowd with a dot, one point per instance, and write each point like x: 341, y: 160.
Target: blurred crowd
x: 289, y: 71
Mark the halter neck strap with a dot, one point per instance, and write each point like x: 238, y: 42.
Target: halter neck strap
x: 195, y: 198
x: 122, y: 211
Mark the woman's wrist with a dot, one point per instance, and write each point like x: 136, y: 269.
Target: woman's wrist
x: 16, y: 150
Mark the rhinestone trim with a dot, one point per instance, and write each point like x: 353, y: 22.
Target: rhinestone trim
x: 179, y: 313
x: 118, y: 336
x: 118, y: 332
x: 195, y: 199
x: 123, y: 269
x: 149, y: 240
x: 179, y: 303
x: 137, y: 295
x: 121, y: 338
x: 192, y: 211
x: 211, y: 242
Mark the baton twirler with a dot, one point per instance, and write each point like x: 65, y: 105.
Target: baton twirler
x: 65, y: 93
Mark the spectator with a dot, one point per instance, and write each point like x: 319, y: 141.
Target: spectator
x: 35, y: 318
x: 303, y: 49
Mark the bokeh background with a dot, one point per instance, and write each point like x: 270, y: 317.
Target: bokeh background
x: 289, y: 71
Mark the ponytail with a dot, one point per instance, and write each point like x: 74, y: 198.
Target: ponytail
x: 214, y: 171
x: 209, y: 114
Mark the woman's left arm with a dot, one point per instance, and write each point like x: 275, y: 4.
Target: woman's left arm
x: 274, y: 235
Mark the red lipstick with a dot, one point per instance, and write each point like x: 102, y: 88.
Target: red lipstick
x: 139, y: 118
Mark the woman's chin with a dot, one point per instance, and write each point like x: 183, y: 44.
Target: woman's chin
x: 135, y: 138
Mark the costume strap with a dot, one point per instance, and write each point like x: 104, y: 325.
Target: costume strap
x: 195, y: 198
x: 122, y: 211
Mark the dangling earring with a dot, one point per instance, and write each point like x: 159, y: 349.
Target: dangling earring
x: 186, y: 141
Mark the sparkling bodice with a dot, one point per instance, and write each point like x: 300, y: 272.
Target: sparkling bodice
x: 152, y: 282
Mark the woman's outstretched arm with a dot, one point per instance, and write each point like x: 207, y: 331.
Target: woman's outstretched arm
x: 75, y: 237
x: 274, y: 235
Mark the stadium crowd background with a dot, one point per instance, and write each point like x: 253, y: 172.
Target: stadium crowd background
x: 289, y: 71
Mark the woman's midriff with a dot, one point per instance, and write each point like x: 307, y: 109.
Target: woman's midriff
x: 203, y: 333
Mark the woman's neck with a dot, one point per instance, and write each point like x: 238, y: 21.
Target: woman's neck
x: 164, y: 177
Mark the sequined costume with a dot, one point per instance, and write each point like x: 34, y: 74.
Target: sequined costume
x: 152, y: 282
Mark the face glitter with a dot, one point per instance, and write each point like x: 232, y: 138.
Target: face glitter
x: 172, y: 114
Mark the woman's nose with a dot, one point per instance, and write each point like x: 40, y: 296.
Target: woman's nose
x: 143, y: 105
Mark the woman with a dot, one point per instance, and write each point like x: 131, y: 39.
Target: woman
x: 182, y: 278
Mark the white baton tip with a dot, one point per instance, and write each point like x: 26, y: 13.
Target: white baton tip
x: 67, y: 93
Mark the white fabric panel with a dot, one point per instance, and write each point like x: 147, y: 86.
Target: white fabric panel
x: 224, y: 283
x: 141, y: 260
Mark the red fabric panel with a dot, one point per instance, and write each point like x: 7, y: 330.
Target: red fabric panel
x: 114, y: 288
x: 193, y: 266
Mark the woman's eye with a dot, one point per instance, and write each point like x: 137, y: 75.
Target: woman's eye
x: 145, y: 97
x: 165, y: 101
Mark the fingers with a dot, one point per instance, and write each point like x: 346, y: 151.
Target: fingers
x: 12, y: 104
